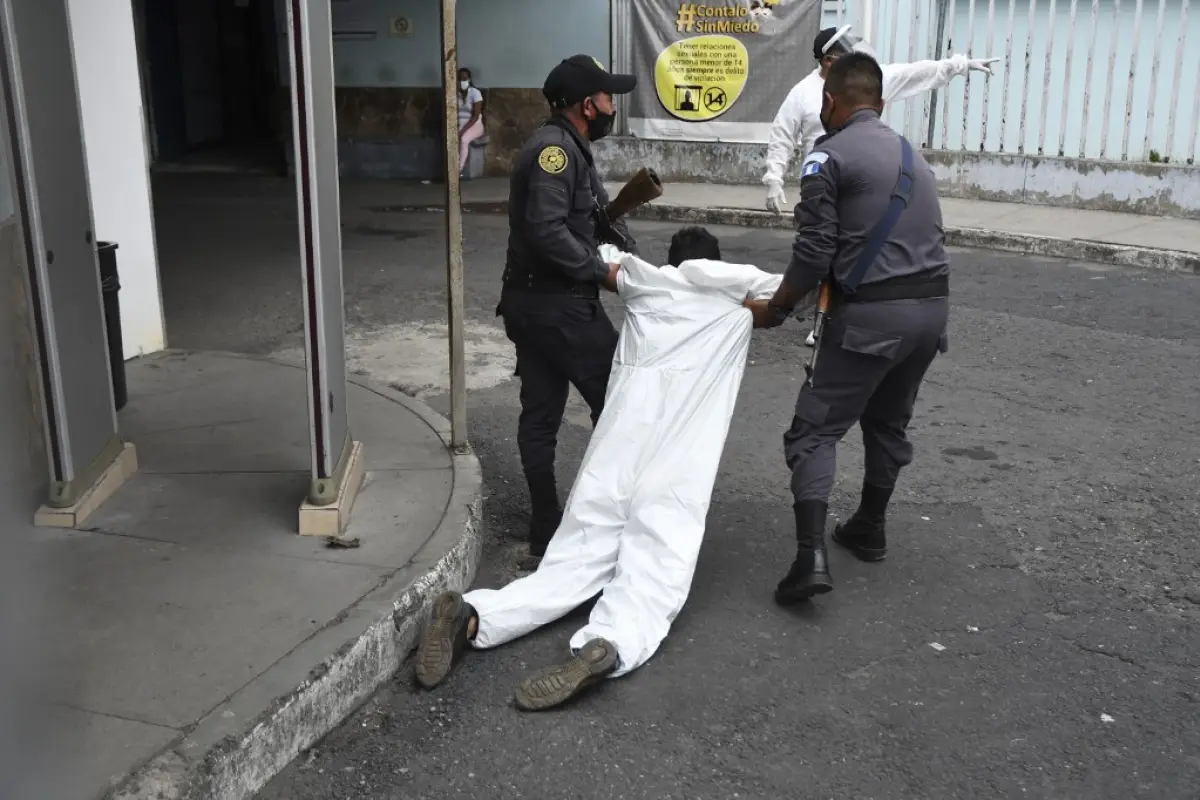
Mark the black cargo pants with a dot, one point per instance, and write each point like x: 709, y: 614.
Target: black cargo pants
x: 873, y: 358
x: 560, y: 341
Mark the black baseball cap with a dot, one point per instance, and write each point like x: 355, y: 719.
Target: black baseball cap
x: 821, y: 41
x: 583, y: 76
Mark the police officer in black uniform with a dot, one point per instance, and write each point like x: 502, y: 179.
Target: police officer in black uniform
x: 871, y: 223
x: 553, y: 273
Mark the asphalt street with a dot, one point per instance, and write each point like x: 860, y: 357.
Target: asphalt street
x: 1032, y: 634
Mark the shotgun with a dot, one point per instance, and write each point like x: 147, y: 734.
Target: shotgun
x: 824, y: 299
x: 643, y: 187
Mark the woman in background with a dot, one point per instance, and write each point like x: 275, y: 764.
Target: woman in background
x: 470, y: 116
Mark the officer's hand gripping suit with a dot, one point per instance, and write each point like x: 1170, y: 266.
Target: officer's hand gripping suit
x: 635, y: 518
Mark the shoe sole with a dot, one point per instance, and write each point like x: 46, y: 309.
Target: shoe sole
x: 870, y: 555
x: 435, y: 656
x: 556, y: 685
x: 798, y: 594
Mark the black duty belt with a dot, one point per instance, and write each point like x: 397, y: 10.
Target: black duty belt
x: 583, y: 291
x: 906, y: 287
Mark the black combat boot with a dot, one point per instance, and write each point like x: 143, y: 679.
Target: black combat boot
x: 864, y: 533
x: 545, y: 513
x: 809, y: 575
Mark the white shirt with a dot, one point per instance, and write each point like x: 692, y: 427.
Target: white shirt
x: 466, y: 106
x: 797, y: 125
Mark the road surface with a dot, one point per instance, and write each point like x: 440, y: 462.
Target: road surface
x: 1032, y: 634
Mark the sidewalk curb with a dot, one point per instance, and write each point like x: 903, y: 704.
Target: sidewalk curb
x: 1074, y: 249
x: 238, y: 747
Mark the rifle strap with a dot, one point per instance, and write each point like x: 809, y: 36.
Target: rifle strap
x: 878, y: 236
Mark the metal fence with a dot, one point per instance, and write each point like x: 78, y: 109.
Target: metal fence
x: 1117, y: 80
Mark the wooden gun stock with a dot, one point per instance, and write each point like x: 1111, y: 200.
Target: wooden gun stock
x: 643, y: 187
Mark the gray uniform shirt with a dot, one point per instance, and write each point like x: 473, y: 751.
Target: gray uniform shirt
x: 845, y: 186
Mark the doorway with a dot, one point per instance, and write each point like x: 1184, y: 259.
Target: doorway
x: 214, y: 92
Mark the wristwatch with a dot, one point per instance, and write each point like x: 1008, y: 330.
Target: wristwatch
x: 779, y: 314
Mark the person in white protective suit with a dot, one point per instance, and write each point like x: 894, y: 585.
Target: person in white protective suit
x: 634, y: 521
x: 797, y: 124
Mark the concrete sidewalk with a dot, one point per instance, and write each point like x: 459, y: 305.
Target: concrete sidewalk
x: 1100, y: 236
x: 201, y: 643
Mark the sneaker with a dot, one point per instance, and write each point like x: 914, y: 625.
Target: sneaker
x: 555, y: 685
x: 444, y: 640
x: 811, y: 341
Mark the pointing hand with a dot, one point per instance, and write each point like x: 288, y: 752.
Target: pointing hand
x: 983, y: 65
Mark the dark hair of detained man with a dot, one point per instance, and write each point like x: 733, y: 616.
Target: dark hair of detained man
x: 692, y: 243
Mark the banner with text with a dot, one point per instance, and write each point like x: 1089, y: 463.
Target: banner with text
x: 717, y: 71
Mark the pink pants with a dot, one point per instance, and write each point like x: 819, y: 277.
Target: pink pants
x: 473, y: 132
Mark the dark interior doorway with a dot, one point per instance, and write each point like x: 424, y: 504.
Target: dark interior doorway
x: 212, y: 73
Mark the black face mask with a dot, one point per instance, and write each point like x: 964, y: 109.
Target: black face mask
x: 601, y: 126
x: 827, y: 116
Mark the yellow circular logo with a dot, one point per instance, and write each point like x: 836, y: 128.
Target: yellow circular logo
x: 553, y: 159
x: 700, y: 78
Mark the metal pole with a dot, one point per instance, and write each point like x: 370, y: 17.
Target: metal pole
x: 950, y: 42
x: 1087, y: 80
x: 454, y: 248
x: 1028, y: 63
x: 1066, y: 106
x: 1158, y: 47
x: 1130, y: 94
x: 987, y: 78
x: 943, y: 7
x: 1112, y: 77
x: 1008, y: 42
x: 868, y: 23
x: 1180, y: 50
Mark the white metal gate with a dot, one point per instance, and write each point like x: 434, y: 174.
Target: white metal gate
x: 1108, y: 79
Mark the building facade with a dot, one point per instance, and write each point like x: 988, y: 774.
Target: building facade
x: 77, y: 144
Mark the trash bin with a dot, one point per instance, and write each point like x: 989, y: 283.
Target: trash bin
x: 109, y: 286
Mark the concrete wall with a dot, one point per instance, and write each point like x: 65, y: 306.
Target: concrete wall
x: 618, y: 157
x: 114, y: 126
x: 505, y: 43
x: 388, y: 97
x: 1157, y: 189
x: 1139, y: 188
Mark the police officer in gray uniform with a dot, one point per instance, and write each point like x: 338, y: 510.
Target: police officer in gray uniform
x: 871, y: 223
x: 550, y: 301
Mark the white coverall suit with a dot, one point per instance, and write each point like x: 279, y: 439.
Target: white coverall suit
x: 798, y: 121
x: 634, y: 521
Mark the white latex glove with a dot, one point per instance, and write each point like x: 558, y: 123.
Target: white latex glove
x: 776, y: 199
x: 610, y: 253
x: 983, y: 65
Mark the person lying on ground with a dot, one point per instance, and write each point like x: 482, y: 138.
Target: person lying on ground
x: 635, y: 519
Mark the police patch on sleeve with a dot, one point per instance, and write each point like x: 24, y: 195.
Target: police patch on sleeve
x: 812, y: 164
x: 553, y: 159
